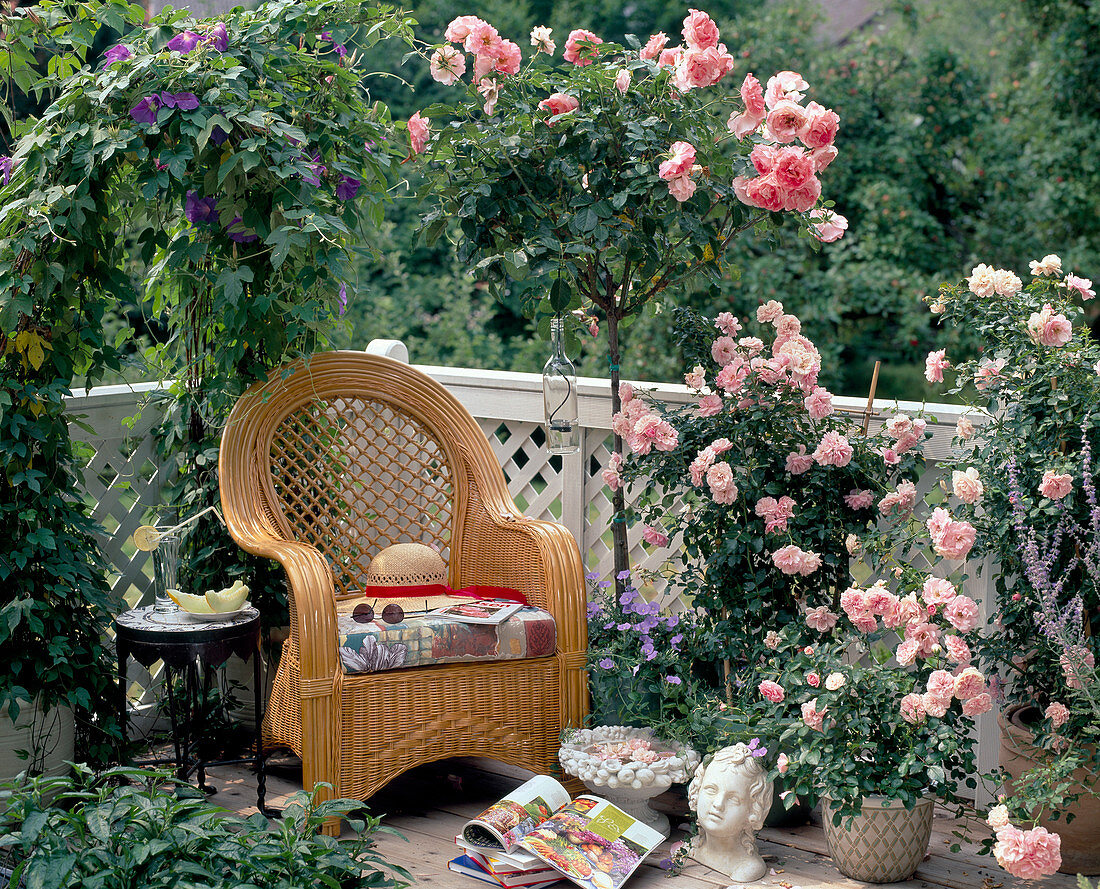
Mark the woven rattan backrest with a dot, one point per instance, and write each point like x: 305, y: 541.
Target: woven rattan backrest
x: 353, y: 474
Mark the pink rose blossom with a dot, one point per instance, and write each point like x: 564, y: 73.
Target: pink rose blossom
x: 447, y: 64
x: 670, y: 58
x: 912, y: 708
x: 998, y: 817
x: 957, y: 650
x: 419, y: 128
x: 742, y: 125
x: 626, y: 393
x: 833, y: 450
x: 489, y: 89
x: 934, y: 705
x: 752, y: 94
x: 1057, y: 713
x: 857, y: 499
x: 459, y: 29
x: 699, y: 466
x: 926, y: 635
x: 775, y: 513
x: 773, y: 691
x: 542, y: 41
x: 622, y: 81
x: 819, y: 403
x: 906, y: 652
x: 967, y: 486
x: 1005, y: 283
x: 935, y: 364
x: 941, y: 684
x: 710, y: 405
x: 820, y: 128
x: 1049, y: 265
x: 786, y: 85
x: 721, y: 445
x: 881, y: 601
x: 950, y: 539
x: 723, y: 350
x: 969, y: 684
x: 611, y: 475
x: 1028, y: 854
x: 964, y: 428
x: 697, y: 68
x: 700, y: 32
x: 785, y: 120
x: 1055, y: 485
x: 900, y: 501
x: 793, y: 167
x: 989, y: 373
x: 483, y: 39
x: 727, y: 323
x: 813, y: 717
x: 772, y: 640
x: 813, y: 679
x: 1082, y: 285
x: 769, y: 312
x: 559, y: 103
x: 680, y: 160
x: 982, y: 280
x: 681, y: 188
x: 792, y: 560
x: 803, y: 198
x: 822, y: 158
x: 962, y: 613
x: 1049, y: 329
x: 853, y: 602
x: 978, y: 705
x: 654, y: 536
x: 575, y: 53
x: 508, y: 59
x: 723, y: 490
x: 782, y: 763
x: 821, y: 619
x: 653, y: 46
x: 766, y: 192
x: 695, y: 378
x: 938, y: 591
x: 799, y: 461
x: 835, y: 681
x: 828, y: 226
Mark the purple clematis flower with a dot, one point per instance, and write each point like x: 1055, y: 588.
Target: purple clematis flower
x: 199, y: 210
x: 348, y: 188
x: 237, y: 232
x: 219, y: 37
x: 184, y: 43
x: 116, y: 53
x: 182, y: 101
x: 145, y: 111
x: 343, y: 297
x: 317, y: 170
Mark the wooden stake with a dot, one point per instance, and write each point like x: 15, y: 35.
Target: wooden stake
x: 870, y: 409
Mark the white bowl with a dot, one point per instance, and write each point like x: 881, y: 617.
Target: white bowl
x: 216, y: 616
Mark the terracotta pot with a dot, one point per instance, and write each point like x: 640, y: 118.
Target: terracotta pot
x: 884, y: 843
x: 1080, y: 850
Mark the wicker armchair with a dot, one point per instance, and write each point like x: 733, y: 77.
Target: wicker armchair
x: 323, y: 467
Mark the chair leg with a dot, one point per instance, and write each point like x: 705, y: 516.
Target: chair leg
x: 320, y: 753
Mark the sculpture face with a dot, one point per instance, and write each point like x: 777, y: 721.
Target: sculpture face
x: 725, y: 800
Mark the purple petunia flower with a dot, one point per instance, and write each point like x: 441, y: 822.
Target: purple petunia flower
x: 592, y: 575
x: 673, y: 680
x: 219, y: 37
x: 676, y: 640
x: 199, y: 210
x: 606, y: 663
x: 116, y: 53
x: 145, y: 111
x: 182, y: 101
x: 343, y: 297
x: 184, y: 43
x: 347, y: 189
x: 623, y: 575
x: 237, y: 232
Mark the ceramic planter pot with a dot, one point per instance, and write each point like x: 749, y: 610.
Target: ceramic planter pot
x: 884, y: 843
x: 49, y: 738
x: 1080, y: 851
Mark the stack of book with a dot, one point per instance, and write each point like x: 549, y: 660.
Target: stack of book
x: 522, y: 871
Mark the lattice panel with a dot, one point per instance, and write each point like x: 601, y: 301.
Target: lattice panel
x: 534, y: 477
x: 354, y: 476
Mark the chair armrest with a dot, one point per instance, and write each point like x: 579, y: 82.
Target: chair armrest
x: 312, y: 613
x: 554, y: 581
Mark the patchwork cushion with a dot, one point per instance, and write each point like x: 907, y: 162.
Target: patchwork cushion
x: 420, y: 640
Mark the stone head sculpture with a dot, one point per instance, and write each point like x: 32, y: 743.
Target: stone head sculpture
x: 730, y: 795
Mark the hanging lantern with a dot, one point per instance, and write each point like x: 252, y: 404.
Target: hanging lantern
x: 559, y: 395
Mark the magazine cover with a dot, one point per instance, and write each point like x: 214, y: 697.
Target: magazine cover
x: 481, y: 612
x: 593, y: 843
x: 463, y: 864
x: 507, y: 821
x: 518, y: 860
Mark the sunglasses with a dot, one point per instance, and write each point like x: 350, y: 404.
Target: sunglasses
x: 363, y: 613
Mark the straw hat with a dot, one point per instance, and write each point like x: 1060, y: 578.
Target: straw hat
x: 406, y: 564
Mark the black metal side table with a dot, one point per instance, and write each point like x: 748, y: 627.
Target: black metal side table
x: 195, y: 648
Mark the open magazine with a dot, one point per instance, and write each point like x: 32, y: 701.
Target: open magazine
x: 588, y: 840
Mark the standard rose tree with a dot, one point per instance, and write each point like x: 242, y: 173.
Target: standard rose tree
x: 599, y: 184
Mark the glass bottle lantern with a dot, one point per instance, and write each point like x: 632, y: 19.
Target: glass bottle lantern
x: 559, y: 395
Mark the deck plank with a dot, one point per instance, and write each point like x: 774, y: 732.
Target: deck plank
x: 429, y: 805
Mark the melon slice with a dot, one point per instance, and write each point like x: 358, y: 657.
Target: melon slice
x: 229, y: 599
x: 190, y: 602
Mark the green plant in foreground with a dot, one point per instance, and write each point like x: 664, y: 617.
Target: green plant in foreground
x: 138, y: 829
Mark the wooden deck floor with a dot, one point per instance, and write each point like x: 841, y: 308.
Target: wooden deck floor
x: 429, y: 805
